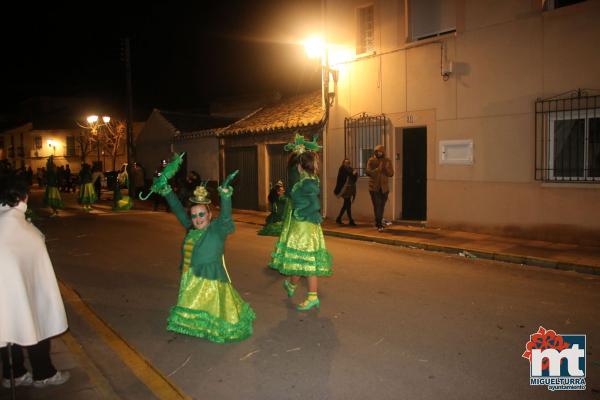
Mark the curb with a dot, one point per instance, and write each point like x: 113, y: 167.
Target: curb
x: 469, y: 253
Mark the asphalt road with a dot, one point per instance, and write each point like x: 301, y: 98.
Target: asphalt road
x: 394, y: 323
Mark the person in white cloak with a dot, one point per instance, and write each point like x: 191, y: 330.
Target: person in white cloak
x: 31, y: 308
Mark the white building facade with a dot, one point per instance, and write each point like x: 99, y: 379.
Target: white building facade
x: 486, y: 108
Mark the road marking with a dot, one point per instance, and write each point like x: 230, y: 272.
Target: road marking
x: 150, y: 376
x: 96, y: 377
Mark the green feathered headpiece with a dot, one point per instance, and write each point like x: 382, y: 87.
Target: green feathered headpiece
x: 300, y: 145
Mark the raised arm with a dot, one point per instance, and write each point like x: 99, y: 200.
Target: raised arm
x: 224, y: 222
x: 178, y: 209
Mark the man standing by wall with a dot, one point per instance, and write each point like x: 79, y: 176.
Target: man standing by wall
x: 379, y: 169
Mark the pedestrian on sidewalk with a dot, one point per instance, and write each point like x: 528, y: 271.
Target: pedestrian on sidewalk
x: 87, y: 193
x: 52, y: 197
x: 379, y: 169
x: 345, y: 188
x: 31, y: 309
x: 208, y: 305
x: 300, y: 250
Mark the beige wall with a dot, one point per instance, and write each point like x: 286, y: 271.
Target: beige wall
x: 202, y: 156
x: 505, y: 55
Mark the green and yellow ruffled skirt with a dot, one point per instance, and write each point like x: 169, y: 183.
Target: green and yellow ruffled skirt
x: 301, y: 250
x: 123, y: 204
x: 87, y: 194
x: 210, y: 309
x: 52, y: 198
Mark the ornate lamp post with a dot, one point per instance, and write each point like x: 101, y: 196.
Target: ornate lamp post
x: 95, y: 125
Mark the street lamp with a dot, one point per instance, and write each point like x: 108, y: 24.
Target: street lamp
x: 316, y: 48
x: 94, y: 125
x: 52, y: 145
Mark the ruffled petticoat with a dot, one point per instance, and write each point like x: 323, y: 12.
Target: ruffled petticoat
x: 301, y: 249
x: 87, y: 194
x: 210, y: 309
x: 52, y: 198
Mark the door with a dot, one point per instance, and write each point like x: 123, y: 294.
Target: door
x: 245, y: 185
x: 277, y: 164
x: 414, y: 174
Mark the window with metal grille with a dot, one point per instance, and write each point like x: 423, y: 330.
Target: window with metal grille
x: 568, y: 138
x: 365, y: 40
x: 37, y: 141
x: 362, y: 134
x: 70, y: 146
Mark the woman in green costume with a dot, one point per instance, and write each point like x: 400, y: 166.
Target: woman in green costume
x: 87, y: 193
x: 274, y: 221
x: 300, y: 250
x: 121, y: 202
x: 208, y: 305
x: 52, y: 197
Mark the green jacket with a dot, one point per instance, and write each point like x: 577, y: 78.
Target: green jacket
x: 305, y: 199
x: 207, y: 255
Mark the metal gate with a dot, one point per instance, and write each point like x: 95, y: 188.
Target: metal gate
x: 278, y: 165
x: 245, y: 185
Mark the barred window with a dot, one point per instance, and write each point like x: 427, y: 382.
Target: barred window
x: 362, y: 134
x: 568, y: 138
x: 37, y: 141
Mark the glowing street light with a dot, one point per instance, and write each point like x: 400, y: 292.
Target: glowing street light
x: 93, y: 125
x: 52, y: 144
x: 314, y: 47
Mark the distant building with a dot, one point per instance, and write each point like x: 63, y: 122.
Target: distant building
x: 47, y: 126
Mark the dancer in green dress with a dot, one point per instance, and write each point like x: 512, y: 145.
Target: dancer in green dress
x: 300, y: 250
x: 52, y: 197
x: 208, y: 306
x: 278, y: 201
x: 87, y: 193
x: 121, y: 202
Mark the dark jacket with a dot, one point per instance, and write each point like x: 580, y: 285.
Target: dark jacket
x: 345, y: 186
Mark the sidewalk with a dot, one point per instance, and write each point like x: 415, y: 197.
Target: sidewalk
x: 537, y: 253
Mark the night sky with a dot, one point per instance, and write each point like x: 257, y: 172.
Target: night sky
x: 183, y: 54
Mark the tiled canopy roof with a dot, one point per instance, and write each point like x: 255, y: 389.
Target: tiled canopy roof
x: 292, y: 113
